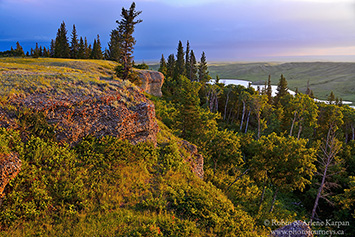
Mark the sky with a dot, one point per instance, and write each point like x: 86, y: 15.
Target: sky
x: 227, y: 30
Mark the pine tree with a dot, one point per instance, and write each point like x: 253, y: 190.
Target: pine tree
x: 203, y: 74
x: 282, y: 90
x: 187, y: 61
x: 19, y: 50
x: 331, y: 98
x: 52, y: 47
x: 81, y: 49
x: 125, y: 29
x: 61, y: 49
x: 170, y: 66
x: 87, y: 49
x: 98, y: 51
x: 180, y: 62
x: 114, y: 50
x: 74, y: 44
x: 162, y: 68
x: 193, y: 66
x: 92, y: 55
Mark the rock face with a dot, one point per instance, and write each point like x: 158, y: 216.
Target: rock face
x: 152, y: 82
x: 120, y: 112
x: 195, y: 159
x: 295, y: 229
x: 10, y: 166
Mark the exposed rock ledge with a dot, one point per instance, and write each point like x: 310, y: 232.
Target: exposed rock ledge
x: 10, y: 166
x: 152, y: 82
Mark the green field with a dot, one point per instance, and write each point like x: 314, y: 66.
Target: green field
x: 323, y: 77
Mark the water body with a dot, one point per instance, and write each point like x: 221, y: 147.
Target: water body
x: 246, y: 83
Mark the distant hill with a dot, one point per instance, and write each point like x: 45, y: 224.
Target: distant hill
x: 323, y: 77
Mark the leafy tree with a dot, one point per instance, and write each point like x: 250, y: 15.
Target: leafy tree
x: 74, y: 44
x: 61, y: 49
x: 125, y: 29
x: 305, y: 113
x: 285, y: 162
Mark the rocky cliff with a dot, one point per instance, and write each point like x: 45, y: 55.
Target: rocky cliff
x: 152, y: 81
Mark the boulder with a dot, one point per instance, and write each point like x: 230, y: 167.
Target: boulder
x: 152, y: 81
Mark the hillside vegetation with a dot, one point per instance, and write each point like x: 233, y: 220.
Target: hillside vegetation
x: 99, y: 186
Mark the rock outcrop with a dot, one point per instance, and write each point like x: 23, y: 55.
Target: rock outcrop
x: 152, y: 82
x: 10, y: 166
x: 295, y: 229
x: 194, y: 159
x: 120, y: 112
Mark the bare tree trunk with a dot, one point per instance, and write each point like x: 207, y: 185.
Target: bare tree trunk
x: 353, y: 130
x: 293, y: 123
x: 225, y: 106
x: 273, y: 200
x: 319, y: 193
x: 259, y: 125
x: 299, y: 132
x: 246, y: 126
x: 243, y: 114
x: 262, y: 194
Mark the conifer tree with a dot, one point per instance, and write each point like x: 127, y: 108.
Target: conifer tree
x: 180, y: 62
x: 162, y: 67
x: 281, y: 90
x: 187, y: 61
x: 193, y: 66
x: 74, y: 44
x: 52, y: 47
x: 61, y: 49
x: 81, y: 49
x: 170, y: 66
x: 19, y: 50
x: 114, y: 46
x: 98, y: 50
x: 203, y: 74
x: 125, y: 29
x: 87, y: 49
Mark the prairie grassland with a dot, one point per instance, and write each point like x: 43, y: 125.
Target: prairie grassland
x: 26, y: 75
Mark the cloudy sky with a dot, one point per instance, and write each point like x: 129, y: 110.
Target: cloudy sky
x: 227, y: 30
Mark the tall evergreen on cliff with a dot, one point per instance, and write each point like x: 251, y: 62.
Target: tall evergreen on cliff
x: 61, y: 47
x: 125, y: 30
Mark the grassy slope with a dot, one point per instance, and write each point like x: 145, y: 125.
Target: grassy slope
x: 145, y: 190
x: 323, y: 77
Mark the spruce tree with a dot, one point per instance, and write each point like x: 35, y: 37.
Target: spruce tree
x: 74, y: 44
x: 52, y: 47
x: 98, y: 51
x: 125, y: 29
x: 203, y: 74
x: 187, y: 61
x: 81, y: 49
x: 269, y: 90
x: 61, y: 49
x: 92, y: 55
x: 170, y: 66
x: 87, y: 49
x: 193, y: 66
x: 114, y: 46
x: 163, y: 67
x: 19, y: 50
x: 180, y: 62
x: 281, y: 90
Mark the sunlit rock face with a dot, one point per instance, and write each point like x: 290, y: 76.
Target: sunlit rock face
x: 152, y: 82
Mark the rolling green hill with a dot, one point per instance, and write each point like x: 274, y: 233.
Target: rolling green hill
x: 323, y: 77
